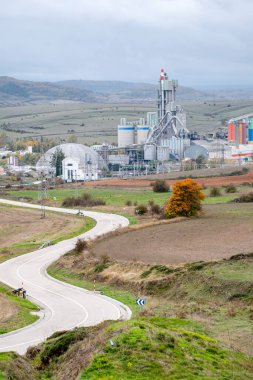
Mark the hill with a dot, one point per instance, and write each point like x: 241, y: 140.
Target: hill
x: 13, y: 91
x: 118, y: 90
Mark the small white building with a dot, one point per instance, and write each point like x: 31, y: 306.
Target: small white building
x: 74, y: 170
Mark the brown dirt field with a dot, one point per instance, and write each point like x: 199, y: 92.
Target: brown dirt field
x: 7, y: 310
x: 144, y: 183
x: 222, y: 231
x: 17, y: 225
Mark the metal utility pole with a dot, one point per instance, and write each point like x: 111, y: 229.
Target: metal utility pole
x: 42, y: 187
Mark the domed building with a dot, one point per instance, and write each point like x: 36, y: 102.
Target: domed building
x: 80, y: 162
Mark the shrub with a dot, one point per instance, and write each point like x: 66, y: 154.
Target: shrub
x: 8, y: 186
x: 80, y: 245
x: 185, y: 199
x: 85, y: 200
x: 141, y: 210
x: 128, y: 203
x: 214, y: 192
x: 155, y: 209
x: 160, y: 186
x: 239, y: 172
x: 245, y: 198
x: 230, y: 189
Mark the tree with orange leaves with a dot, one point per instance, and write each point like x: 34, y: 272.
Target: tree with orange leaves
x: 185, y: 199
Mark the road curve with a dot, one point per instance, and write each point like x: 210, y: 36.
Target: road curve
x: 63, y: 306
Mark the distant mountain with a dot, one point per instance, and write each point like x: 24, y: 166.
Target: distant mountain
x: 14, y: 91
x: 129, y: 90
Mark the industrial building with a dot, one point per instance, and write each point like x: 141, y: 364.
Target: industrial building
x: 240, y: 130
x: 80, y: 162
x: 162, y: 135
x: 240, y: 138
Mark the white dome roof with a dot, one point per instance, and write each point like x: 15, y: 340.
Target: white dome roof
x: 79, y: 151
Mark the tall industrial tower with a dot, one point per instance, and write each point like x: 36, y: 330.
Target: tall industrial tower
x: 171, y: 117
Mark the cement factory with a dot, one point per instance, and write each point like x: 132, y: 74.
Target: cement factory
x: 159, y: 142
x: 162, y: 135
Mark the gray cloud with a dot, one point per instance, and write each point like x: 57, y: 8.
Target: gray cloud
x: 201, y: 42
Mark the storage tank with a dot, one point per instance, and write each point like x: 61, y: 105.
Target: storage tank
x: 250, y: 131
x: 149, y: 152
x: 242, y: 133
x: 125, y: 133
x: 152, y: 118
x: 231, y: 132
x: 142, y: 133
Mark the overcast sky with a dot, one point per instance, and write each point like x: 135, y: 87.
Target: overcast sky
x: 198, y: 42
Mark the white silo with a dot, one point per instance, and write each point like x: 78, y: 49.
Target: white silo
x: 149, y: 152
x: 142, y: 132
x: 126, y: 133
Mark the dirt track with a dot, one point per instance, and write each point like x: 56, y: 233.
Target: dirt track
x: 143, y: 183
x: 223, y: 231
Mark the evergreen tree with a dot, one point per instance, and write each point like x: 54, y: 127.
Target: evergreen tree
x: 56, y: 161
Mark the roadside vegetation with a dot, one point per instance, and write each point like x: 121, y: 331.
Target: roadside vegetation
x: 85, y: 200
x: 15, y: 311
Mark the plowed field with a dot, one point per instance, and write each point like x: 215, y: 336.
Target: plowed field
x: 223, y: 231
x: 144, y: 183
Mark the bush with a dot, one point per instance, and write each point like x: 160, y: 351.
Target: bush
x: 214, y: 192
x: 245, y: 198
x: 230, y: 189
x: 141, y: 210
x: 160, y: 186
x: 239, y: 172
x: 80, y: 245
x: 155, y: 209
x: 128, y: 203
x: 85, y: 200
x: 185, y: 199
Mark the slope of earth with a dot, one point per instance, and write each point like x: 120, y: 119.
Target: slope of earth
x: 23, y: 230
x: 223, y: 230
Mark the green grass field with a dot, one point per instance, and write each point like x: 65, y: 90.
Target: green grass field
x: 119, y: 197
x: 112, y: 196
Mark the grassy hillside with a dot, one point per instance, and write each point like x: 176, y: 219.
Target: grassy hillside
x: 17, y: 91
x: 97, y: 122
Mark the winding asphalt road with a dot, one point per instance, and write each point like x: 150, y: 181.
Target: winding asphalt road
x: 63, y: 306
